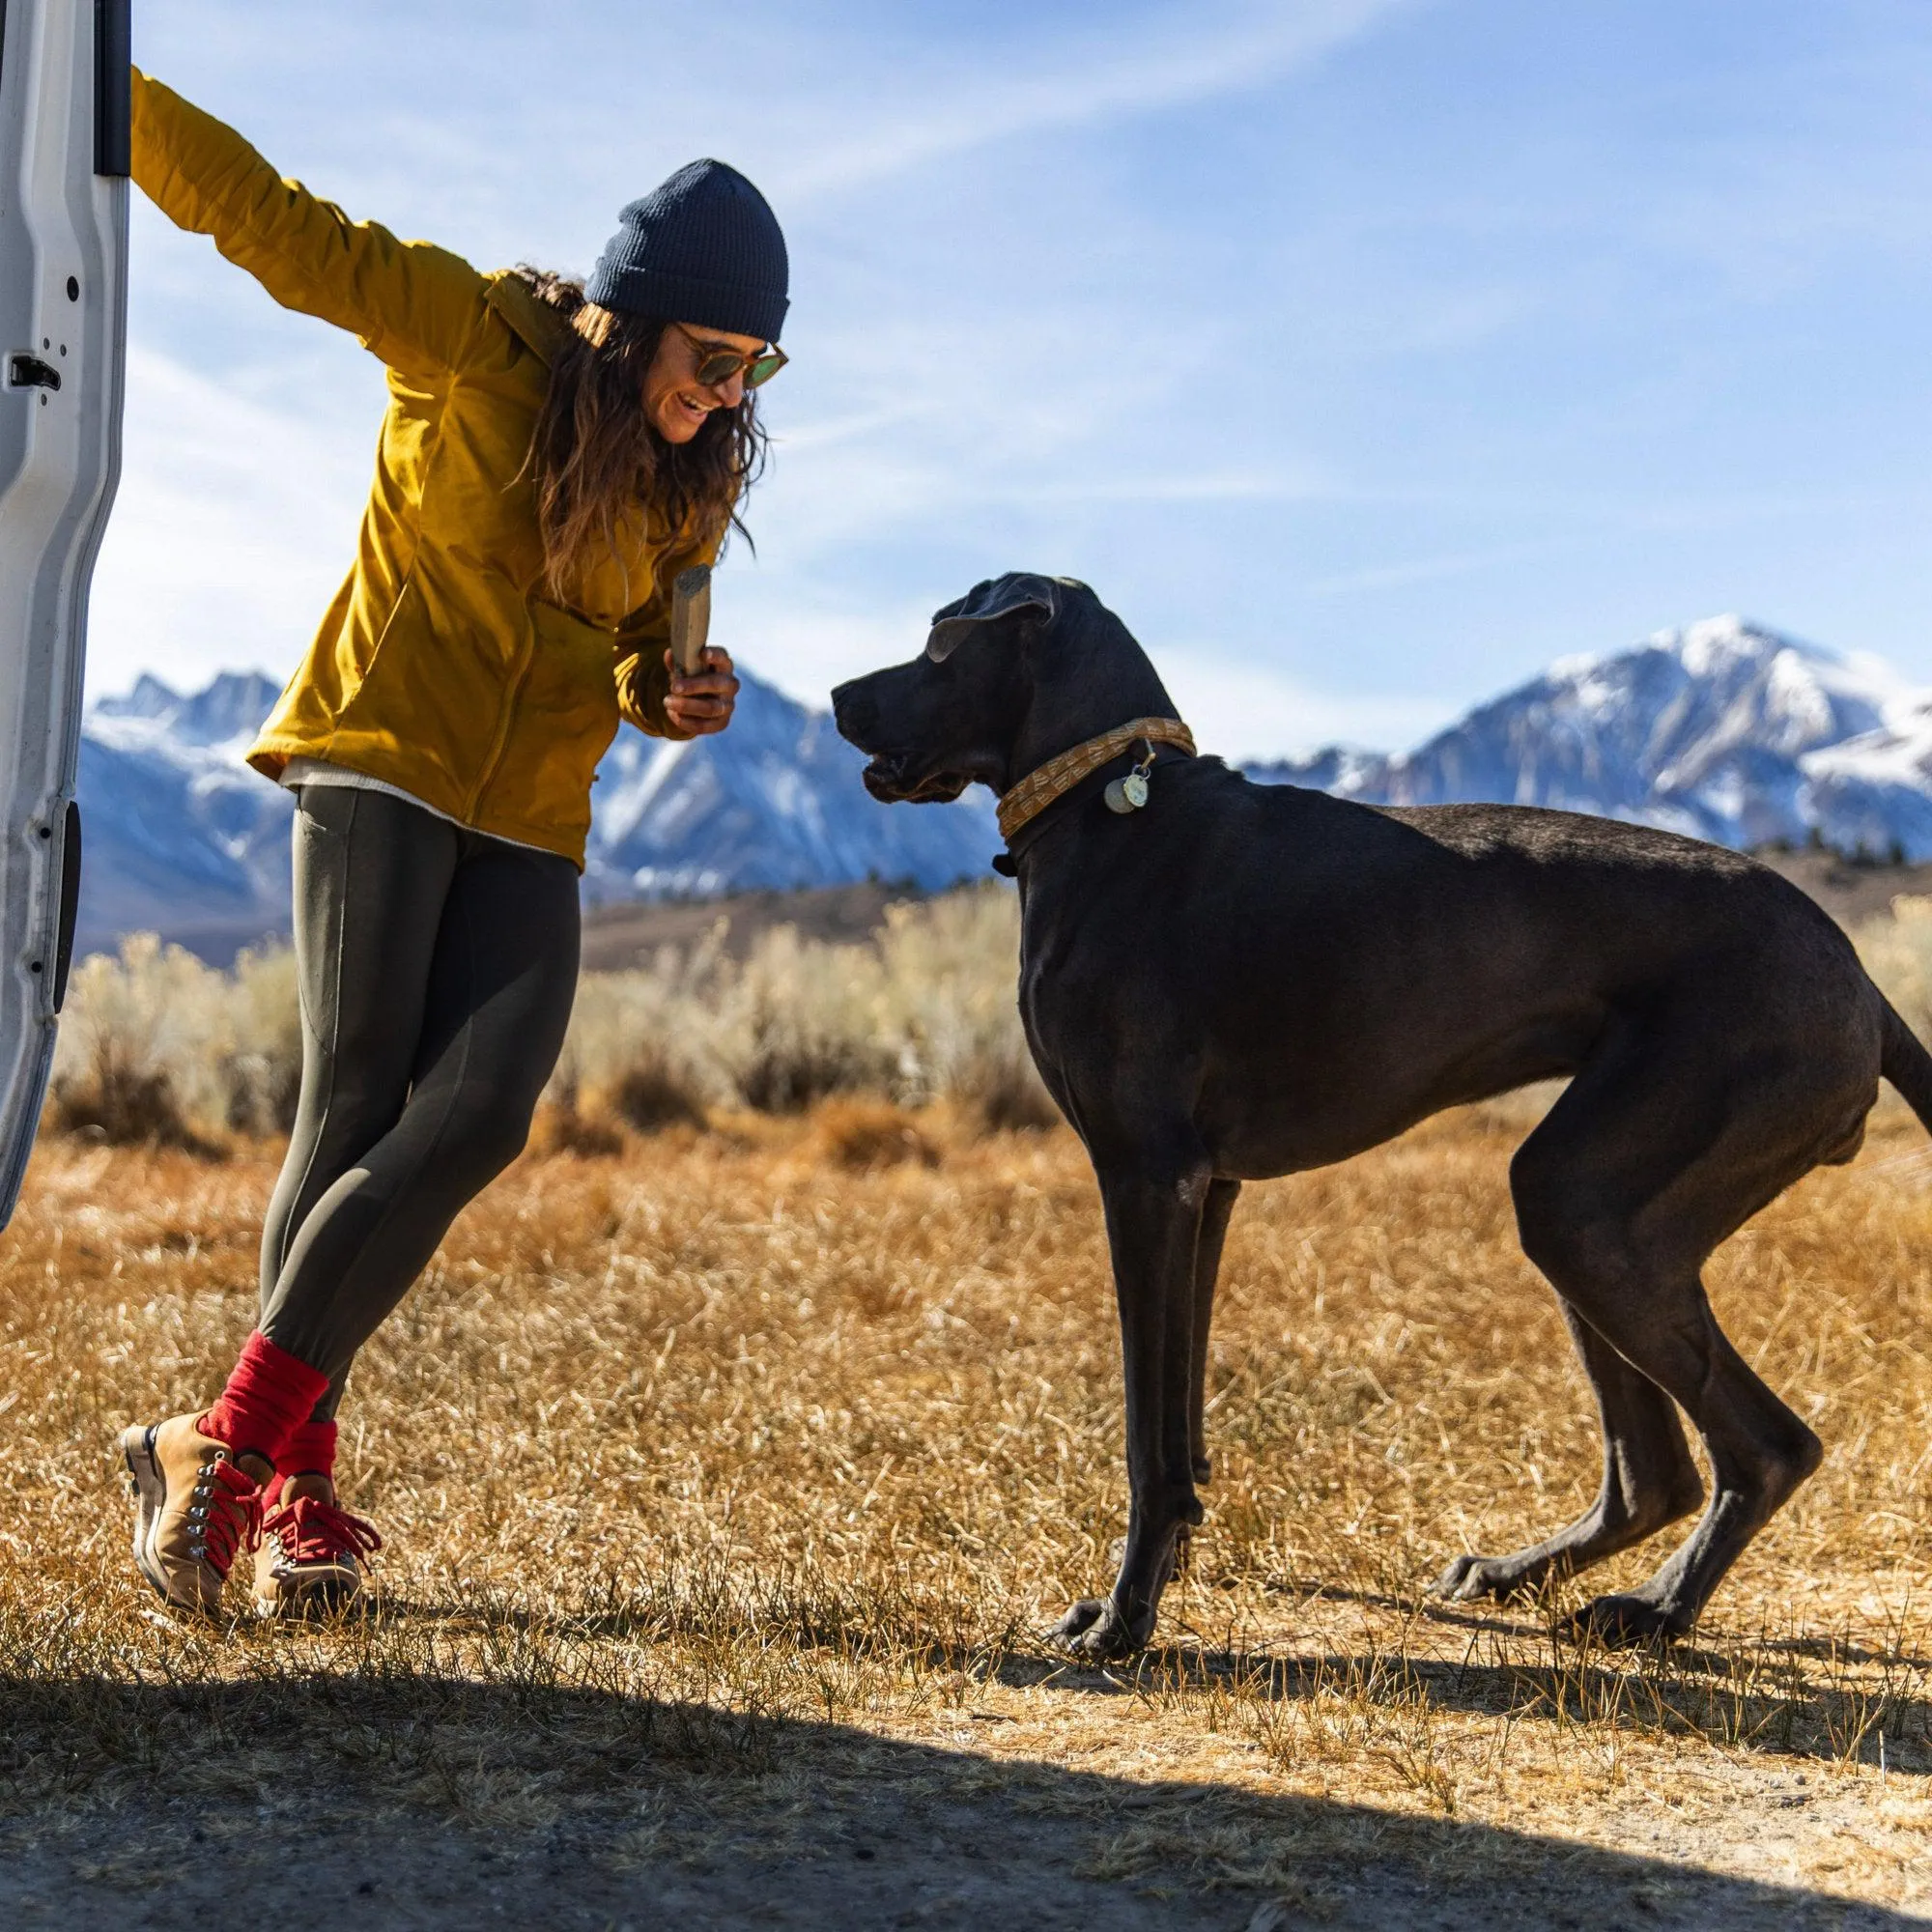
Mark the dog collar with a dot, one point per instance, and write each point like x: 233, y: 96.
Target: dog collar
x: 1053, y: 780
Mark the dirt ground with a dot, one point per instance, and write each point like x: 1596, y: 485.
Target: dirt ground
x: 729, y: 1482
x: 853, y: 1830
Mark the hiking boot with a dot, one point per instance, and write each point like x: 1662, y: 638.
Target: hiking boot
x: 309, y: 1563
x: 195, y: 1506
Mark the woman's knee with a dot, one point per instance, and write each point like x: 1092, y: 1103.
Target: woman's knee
x: 486, y: 1130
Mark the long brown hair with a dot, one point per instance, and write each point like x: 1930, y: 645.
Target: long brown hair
x: 595, y: 454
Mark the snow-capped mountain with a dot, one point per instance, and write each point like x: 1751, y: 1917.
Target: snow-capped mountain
x: 1724, y: 730
x: 775, y: 801
x: 180, y: 837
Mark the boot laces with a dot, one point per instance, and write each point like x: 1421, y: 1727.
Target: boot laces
x: 311, y: 1531
x: 226, y: 1511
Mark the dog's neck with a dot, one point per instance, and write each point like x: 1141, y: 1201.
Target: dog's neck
x: 1066, y: 807
x: 1094, y: 679
x: 1041, y: 786
x: 1083, y: 702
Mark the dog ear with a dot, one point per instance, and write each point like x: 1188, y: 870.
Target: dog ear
x: 985, y: 603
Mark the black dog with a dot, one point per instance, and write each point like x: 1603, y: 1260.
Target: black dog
x: 1244, y: 980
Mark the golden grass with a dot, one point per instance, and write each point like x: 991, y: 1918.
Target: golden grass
x: 729, y: 1479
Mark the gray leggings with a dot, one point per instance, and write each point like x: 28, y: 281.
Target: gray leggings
x: 437, y: 969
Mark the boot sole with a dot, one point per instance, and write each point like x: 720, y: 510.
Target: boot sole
x: 151, y: 1493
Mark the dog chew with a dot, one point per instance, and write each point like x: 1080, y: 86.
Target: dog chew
x: 690, y: 617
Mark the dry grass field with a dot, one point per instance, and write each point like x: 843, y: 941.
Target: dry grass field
x: 730, y: 1478
x: 731, y: 1469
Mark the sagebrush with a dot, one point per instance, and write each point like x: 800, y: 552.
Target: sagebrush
x: 159, y: 1048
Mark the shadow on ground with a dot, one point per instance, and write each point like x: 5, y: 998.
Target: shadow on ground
x: 435, y: 1803
x: 1834, y: 1702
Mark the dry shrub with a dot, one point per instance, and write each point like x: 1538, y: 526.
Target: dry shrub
x: 159, y: 1046
x: 1003, y: 1093
x: 1897, y: 949
x: 806, y: 1020
x: 925, y: 1012
x: 261, y: 1061
x: 865, y: 1134
x: 559, y: 1128
x: 658, y: 1021
x: 651, y: 1095
x: 122, y: 1105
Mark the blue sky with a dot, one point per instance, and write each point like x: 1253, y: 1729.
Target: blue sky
x: 1364, y: 354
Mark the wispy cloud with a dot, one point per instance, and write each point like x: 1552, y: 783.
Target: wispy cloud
x: 1433, y: 569
x: 1176, y: 59
x: 1242, y: 707
x: 234, y: 524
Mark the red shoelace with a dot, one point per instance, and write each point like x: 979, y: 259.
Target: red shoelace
x: 313, y: 1531
x: 226, y: 1521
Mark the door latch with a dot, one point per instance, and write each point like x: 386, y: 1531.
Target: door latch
x: 29, y: 372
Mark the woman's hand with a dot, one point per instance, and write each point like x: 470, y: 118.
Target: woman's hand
x: 703, y: 702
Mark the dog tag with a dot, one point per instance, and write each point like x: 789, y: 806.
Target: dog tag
x: 1128, y: 794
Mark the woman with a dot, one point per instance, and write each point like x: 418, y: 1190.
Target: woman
x: 552, y: 454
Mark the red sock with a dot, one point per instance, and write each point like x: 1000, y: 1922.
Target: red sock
x: 268, y: 1397
x: 310, y: 1452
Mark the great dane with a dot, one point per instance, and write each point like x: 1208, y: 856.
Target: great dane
x: 1228, y: 981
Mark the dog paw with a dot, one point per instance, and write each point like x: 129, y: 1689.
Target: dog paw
x: 1079, y: 1620
x: 1469, y: 1577
x: 1621, y: 1622
x: 1095, y: 1630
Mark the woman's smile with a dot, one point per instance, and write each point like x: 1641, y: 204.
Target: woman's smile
x: 677, y: 405
x: 694, y: 404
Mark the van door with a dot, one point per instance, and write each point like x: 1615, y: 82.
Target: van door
x: 63, y: 141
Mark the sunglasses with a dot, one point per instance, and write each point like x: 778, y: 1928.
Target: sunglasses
x: 715, y: 363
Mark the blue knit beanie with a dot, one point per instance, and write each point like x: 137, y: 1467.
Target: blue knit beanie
x: 704, y: 247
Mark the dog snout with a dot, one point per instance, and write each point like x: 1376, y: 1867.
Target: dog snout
x: 855, y: 711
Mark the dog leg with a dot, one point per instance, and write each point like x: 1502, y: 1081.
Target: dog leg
x: 1621, y: 1194
x: 1214, y: 1214
x: 1154, y: 1228
x: 1650, y: 1479
x: 1759, y: 1453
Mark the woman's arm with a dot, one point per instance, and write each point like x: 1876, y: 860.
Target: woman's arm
x: 643, y: 682
x: 415, y: 306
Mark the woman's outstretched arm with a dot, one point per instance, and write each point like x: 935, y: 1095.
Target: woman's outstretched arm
x: 414, y: 306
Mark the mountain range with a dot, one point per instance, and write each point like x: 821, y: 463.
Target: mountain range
x: 1724, y: 730
x: 182, y: 839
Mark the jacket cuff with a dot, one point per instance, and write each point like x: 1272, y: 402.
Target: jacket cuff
x: 643, y: 683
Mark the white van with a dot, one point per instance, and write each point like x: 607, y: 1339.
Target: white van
x: 64, y: 139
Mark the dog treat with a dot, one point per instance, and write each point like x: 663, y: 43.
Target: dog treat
x: 690, y: 617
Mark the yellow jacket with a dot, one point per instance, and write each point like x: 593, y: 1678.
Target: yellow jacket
x: 437, y: 667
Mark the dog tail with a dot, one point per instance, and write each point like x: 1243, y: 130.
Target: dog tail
x: 1904, y: 1060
